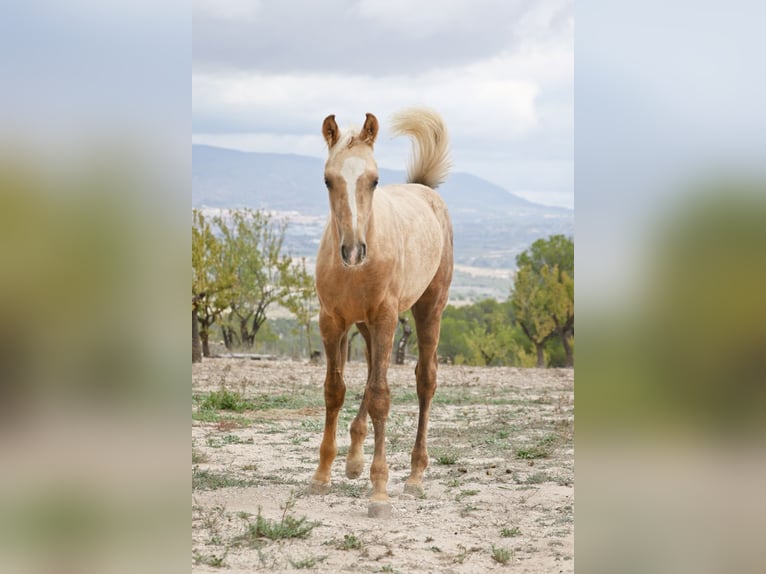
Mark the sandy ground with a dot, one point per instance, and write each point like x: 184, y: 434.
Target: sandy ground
x: 499, y: 487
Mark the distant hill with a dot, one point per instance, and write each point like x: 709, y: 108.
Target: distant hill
x: 491, y: 224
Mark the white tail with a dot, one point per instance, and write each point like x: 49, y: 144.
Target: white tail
x: 430, y: 163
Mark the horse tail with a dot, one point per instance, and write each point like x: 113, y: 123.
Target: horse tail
x: 430, y: 162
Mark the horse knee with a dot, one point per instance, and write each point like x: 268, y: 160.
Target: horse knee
x: 334, y: 394
x: 378, y: 405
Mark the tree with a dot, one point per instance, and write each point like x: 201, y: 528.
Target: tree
x: 560, y: 287
x: 555, y: 250
x: 551, y: 262
x: 252, y: 251
x: 530, y: 303
x: 301, y: 299
x: 212, y: 281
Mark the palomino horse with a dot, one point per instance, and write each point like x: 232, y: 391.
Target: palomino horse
x: 384, y: 250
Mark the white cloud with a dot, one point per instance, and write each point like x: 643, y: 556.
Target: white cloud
x: 417, y: 19
x: 227, y: 10
x: 495, y: 98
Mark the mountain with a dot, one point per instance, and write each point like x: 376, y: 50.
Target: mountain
x: 491, y: 224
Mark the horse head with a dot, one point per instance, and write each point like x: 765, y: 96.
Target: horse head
x: 351, y: 176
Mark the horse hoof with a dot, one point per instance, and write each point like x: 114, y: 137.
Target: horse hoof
x: 414, y: 490
x: 354, y: 468
x: 379, y: 510
x: 316, y: 487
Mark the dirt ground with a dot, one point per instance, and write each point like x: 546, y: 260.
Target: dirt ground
x: 499, y: 489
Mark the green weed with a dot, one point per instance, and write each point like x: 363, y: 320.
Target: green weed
x: 501, y: 555
x: 510, y: 532
x: 307, y: 562
x: 209, y: 480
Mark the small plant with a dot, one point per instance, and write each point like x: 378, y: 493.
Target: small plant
x: 287, y: 527
x: 501, y: 555
x: 307, y: 562
x: 510, y: 532
x: 350, y: 542
x: 209, y: 480
x: 198, y: 457
x: 542, y: 449
x: 467, y: 509
x: 225, y: 400
x: 537, y: 478
x: 447, y: 458
x: 210, y: 559
x: 352, y: 490
x: 464, y: 493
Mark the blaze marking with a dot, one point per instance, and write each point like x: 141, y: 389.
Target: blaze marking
x: 352, y: 169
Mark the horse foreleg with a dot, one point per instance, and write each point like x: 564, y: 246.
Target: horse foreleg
x: 377, y: 398
x: 358, y: 429
x: 334, y: 337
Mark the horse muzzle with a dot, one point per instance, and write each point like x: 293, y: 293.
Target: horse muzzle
x: 353, y: 254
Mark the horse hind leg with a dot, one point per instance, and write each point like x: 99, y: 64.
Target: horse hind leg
x: 427, y: 321
x: 358, y: 428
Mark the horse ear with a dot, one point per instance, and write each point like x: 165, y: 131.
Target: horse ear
x: 330, y: 131
x: 369, y: 130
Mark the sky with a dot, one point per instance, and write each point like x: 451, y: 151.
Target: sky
x: 266, y: 73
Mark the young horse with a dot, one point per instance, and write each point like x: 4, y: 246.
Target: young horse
x: 384, y: 250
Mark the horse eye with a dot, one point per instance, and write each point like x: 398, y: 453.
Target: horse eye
x: 327, y: 182
x: 375, y: 183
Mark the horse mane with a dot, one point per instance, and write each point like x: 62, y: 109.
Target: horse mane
x: 430, y: 163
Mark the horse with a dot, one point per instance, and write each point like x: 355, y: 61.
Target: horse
x: 384, y: 249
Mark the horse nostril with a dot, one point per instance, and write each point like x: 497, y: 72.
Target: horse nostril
x: 364, y: 250
x: 344, y: 253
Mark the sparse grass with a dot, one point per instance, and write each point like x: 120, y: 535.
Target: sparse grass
x: 447, y: 458
x: 214, y: 442
x: 467, y: 509
x: 198, y: 457
x: 298, y: 438
x: 286, y: 401
x: 537, y: 478
x: 458, y: 396
x: 465, y: 493
x: 210, y: 520
x: 541, y: 449
x: 209, y: 480
x: 286, y: 528
x: 350, y: 542
x: 210, y: 559
x: 307, y: 562
x: 354, y: 490
x: 501, y: 555
x: 225, y: 400
x: 510, y: 532
x: 308, y: 425
x: 228, y: 422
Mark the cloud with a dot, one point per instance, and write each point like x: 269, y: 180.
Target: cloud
x: 373, y: 37
x: 227, y: 10
x: 499, y: 71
